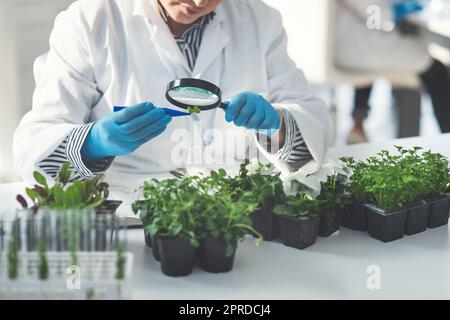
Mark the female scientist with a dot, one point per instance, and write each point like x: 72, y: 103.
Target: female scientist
x: 106, y: 53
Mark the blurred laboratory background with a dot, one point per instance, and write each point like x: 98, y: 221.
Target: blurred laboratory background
x: 381, y: 80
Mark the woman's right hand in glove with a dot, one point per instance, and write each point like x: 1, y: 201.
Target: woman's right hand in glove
x: 123, y: 132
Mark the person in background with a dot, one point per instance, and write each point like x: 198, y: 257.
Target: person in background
x: 364, y: 50
x: 106, y: 53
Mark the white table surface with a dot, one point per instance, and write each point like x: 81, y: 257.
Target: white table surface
x: 416, y: 267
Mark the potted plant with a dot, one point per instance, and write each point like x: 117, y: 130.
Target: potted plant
x: 310, y: 198
x: 388, y: 194
x: 144, y: 210
x: 354, y: 214
x: 68, y: 194
x: 225, y: 221
x: 298, y: 209
x: 299, y: 221
x: 438, y: 175
x: 176, y: 208
x: 191, y: 213
x: 331, y: 202
x: 416, y: 178
x: 395, y: 189
x: 265, y: 186
x: 334, y: 175
x: 155, y: 195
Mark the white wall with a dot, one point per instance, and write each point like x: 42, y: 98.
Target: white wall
x: 25, y: 27
x: 9, y: 111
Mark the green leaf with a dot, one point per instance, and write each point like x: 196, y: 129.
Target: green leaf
x: 59, y: 196
x: 31, y: 193
x: 230, y: 250
x: 194, y: 110
x: 40, y: 179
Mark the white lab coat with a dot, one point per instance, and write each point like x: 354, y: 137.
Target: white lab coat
x: 120, y: 52
x: 361, y: 48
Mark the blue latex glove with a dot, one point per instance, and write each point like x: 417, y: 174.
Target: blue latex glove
x: 123, y: 132
x: 252, y: 111
x: 404, y: 8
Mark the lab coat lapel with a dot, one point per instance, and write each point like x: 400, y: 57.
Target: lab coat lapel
x: 162, y: 38
x: 215, y: 39
x: 169, y: 52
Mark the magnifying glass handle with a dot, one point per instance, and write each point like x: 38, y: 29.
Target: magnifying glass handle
x: 170, y: 112
x: 224, y: 105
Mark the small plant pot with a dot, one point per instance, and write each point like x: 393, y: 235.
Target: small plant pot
x: 148, y: 239
x: 299, y: 233
x: 417, y: 219
x: 213, y: 257
x: 354, y: 216
x: 385, y: 225
x: 267, y: 224
x: 155, y: 247
x: 330, y: 221
x: 177, y: 256
x: 439, y: 213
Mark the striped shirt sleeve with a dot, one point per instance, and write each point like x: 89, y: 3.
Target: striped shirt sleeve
x: 69, y: 151
x: 295, y: 150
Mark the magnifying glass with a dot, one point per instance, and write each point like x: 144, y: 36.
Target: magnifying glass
x: 191, y: 93
x: 188, y: 93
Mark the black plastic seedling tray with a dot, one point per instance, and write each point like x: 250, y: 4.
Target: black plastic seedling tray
x: 417, y: 219
x: 392, y: 225
x: 439, y: 213
x: 354, y: 216
x: 330, y: 221
x: 385, y: 225
x: 299, y: 233
x: 267, y: 224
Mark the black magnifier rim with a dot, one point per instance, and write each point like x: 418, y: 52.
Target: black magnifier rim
x: 194, y: 83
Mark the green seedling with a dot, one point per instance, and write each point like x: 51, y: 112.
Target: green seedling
x: 65, y: 193
x: 391, y: 181
x: 194, y: 110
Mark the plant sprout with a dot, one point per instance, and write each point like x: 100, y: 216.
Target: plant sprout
x: 43, y: 262
x: 120, y: 262
x: 196, y: 207
x: 74, y: 239
x: 194, y: 110
x: 13, y: 256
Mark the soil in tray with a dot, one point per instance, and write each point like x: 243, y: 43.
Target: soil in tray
x: 299, y: 233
